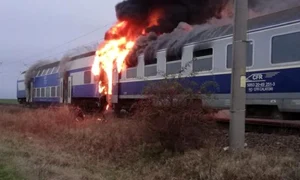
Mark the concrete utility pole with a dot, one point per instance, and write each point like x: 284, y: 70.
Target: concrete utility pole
x: 238, y: 77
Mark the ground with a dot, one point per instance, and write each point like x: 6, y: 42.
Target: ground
x: 49, y: 144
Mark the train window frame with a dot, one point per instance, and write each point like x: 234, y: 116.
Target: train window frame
x: 149, y: 66
x: 129, y: 68
x: 51, y: 93
x: 38, y: 92
x: 42, y: 92
x: 48, y: 71
x: 253, y: 54
x: 38, y: 73
x: 85, y: 76
x: 169, y: 62
x: 271, y: 49
x: 201, y: 58
x: 52, y: 71
x: 42, y: 73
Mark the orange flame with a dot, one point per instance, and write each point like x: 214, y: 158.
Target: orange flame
x: 155, y: 15
x: 117, y: 48
x: 114, y: 50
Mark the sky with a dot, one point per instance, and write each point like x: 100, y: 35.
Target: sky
x: 33, y: 30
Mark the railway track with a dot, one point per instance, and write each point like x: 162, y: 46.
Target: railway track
x: 267, y: 126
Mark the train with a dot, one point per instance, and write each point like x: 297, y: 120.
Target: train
x: 272, y: 81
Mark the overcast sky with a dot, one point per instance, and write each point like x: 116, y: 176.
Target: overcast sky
x: 30, y: 28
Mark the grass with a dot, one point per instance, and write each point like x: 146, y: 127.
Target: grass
x: 50, y: 144
x: 8, y: 101
x: 8, y: 173
x: 8, y: 170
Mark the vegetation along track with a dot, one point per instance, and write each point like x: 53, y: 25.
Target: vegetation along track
x: 252, y: 124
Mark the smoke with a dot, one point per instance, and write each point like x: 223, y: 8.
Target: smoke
x: 184, y: 21
x: 172, y: 12
x: 261, y: 7
x: 33, y: 70
x: 63, y: 65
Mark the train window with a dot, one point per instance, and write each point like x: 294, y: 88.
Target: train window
x: 173, y: 65
x: 154, y: 61
x: 249, y: 59
x: 49, y: 71
x: 48, y: 92
x: 203, y: 60
x: 171, y: 58
x: 42, y: 92
x: 38, y: 92
x: 150, y: 68
x: 87, y: 77
x: 131, y: 72
x: 285, y: 48
x: 38, y: 73
x: 52, y: 70
x: 53, y: 92
x: 42, y: 73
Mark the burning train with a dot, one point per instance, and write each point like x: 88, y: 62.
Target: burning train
x: 116, y: 73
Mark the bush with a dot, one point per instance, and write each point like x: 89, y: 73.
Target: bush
x: 174, y: 115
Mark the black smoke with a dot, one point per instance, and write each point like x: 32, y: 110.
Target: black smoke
x: 174, y: 12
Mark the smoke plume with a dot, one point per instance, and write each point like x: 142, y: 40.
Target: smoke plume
x: 63, y: 64
x: 180, y: 21
x: 32, y: 71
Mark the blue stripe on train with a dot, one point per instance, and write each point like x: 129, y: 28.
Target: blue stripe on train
x: 55, y: 99
x: 272, y: 81
x: 86, y: 90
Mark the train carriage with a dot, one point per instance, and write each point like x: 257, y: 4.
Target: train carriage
x: 62, y: 83
x: 273, y: 64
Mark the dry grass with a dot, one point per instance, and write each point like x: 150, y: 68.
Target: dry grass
x: 58, y: 125
x: 50, y: 144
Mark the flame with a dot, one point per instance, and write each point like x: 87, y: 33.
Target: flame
x: 121, y: 39
x: 154, y: 17
x: 112, y: 51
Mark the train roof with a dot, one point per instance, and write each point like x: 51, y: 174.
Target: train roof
x: 56, y: 63
x: 281, y: 17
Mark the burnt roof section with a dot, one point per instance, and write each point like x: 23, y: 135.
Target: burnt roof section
x: 265, y: 21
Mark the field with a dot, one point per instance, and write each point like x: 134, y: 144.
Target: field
x: 50, y: 144
x: 8, y: 101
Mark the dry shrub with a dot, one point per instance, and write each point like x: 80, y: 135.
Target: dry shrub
x: 174, y: 115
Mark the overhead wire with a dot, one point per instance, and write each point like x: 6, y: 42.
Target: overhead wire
x: 55, y: 47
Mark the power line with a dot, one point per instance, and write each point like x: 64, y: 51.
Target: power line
x: 72, y: 40
x: 48, y: 56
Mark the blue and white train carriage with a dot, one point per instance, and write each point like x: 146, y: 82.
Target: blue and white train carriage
x: 273, y: 65
x: 70, y: 83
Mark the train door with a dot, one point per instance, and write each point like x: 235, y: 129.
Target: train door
x: 61, y: 91
x: 69, y: 95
